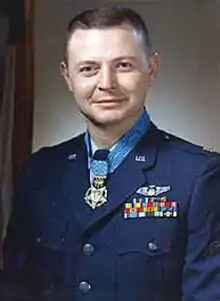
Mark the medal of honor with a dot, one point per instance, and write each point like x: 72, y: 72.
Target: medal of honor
x: 96, y: 195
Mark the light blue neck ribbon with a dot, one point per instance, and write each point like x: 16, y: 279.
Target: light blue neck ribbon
x: 125, y: 144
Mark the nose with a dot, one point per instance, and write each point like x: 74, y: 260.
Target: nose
x: 107, y: 79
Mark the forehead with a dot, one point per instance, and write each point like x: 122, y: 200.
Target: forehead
x: 106, y: 44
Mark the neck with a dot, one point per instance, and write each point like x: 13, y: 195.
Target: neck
x: 106, y: 136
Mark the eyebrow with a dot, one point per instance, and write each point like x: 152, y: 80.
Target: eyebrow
x: 114, y: 60
x: 87, y: 62
x: 126, y: 57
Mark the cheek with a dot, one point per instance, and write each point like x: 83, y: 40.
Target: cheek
x: 83, y: 88
x: 135, y: 85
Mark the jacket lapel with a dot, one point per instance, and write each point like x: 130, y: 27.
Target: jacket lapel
x: 127, y: 178
x: 75, y: 179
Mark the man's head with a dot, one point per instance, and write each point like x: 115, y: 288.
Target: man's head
x: 107, y: 17
x: 108, y: 64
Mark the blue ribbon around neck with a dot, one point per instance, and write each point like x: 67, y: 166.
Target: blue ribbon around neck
x: 122, y: 148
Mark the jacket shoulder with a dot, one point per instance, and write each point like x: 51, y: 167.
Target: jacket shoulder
x: 60, y: 150
x: 49, y: 158
x: 181, y: 145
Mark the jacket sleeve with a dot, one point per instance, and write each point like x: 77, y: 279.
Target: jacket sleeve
x: 201, y: 273
x: 15, y: 246
x: 20, y: 241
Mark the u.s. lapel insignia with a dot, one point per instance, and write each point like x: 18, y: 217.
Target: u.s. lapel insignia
x: 153, y: 190
x: 72, y: 156
x: 151, y: 207
x: 140, y: 158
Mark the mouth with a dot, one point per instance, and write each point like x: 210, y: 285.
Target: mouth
x: 109, y: 101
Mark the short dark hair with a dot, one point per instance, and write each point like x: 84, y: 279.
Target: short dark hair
x: 109, y: 16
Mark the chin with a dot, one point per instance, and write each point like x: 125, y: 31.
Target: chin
x: 114, y: 116
x: 105, y: 120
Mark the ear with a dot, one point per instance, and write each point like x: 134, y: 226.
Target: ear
x: 154, y: 65
x: 65, y: 73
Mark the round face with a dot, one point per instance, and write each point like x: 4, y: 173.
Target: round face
x: 108, y: 73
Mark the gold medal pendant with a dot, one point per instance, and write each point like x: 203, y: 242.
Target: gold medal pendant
x: 96, y: 195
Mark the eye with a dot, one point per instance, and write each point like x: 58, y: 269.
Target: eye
x: 85, y: 69
x: 125, y: 66
x: 88, y: 70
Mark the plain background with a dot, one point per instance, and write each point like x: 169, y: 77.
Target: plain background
x: 185, y: 100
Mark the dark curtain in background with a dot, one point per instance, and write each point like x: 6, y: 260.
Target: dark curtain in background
x: 16, y: 95
x: 15, y: 13
x: 4, y: 31
x: 12, y: 28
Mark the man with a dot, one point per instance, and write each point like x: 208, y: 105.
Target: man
x: 124, y: 211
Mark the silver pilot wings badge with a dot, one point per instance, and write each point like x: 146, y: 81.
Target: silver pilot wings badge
x: 153, y: 190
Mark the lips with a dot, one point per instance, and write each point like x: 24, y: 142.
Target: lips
x: 109, y: 100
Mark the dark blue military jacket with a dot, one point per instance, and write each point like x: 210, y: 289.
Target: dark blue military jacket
x: 65, y: 250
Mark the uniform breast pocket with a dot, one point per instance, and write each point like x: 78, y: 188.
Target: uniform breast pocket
x: 43, y: 260
x: 53, y: 233
x: 139, y: 270
x: 47, y: 256
x: 49, y: 245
